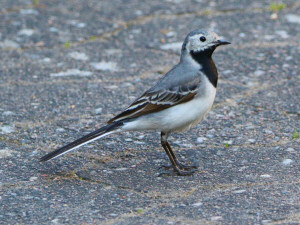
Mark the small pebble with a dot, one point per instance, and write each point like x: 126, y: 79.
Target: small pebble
x: 26, y: 32
x: 60, y: 129
x: 239, y: 191
x: 29, y: 12
x: 265, y: 176
x: 251, y: 141
x: 274, y: 16
x: 201, y: 139
x: 287, y: 162
x: 5, y: 153
x: 176, y: 46
x: 259, y: 73
x: 98, y: 111
x: 215, y: 218
x: 8, y: 113
x: 6, y: 129
x: 105, y: 66
x: 121, y: 169
x: 72, y: 72
x: 290, y: 150
x: 292, y: 18
x: 33, y: 178
x: 9, y: 44
x: 197, y: 204
x: 78, y: 56
x: 282, y: 33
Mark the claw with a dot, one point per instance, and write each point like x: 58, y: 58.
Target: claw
x: 180, y: 166
x: 186, y: 167
x: 166, y: 167
x: 186, y: 173
x: 177, y: 171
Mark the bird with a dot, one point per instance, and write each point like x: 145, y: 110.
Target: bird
x: 179, y: 100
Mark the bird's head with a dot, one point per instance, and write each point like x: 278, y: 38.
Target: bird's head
x: 201, y: 41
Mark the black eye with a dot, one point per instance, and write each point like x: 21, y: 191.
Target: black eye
x: 202, y: 38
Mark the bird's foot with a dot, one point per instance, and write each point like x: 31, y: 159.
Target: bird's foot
x: 178, y: 172
x: 180, y: 166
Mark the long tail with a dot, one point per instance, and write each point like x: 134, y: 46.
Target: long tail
x: 103, y: 131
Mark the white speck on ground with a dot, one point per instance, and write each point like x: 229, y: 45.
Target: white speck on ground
x: 290, y: 150
x: 105, y: 66
x: 239, y: 191
x: 55, y: 221
x: 140, y: 137
x: 72, y: 72
x: 266, y: 221
x: 111, y: 87
x: 287, y: 162
x: 33, y: 178
x: 274, y: 16
x: 81, y: 25
x: 197, y: 204
x: 215, y: 218
x: 121, y: 169
x: 98, y: 111
x: 5, y: 153
x: 265, y: 176
x: 171, y: 34
x: 76, y: 23
x: 26, y: 32
x: 282, y: 33
x: 269, y: 37
x: 259, y: 73
x: 78, y: 56
x: 9, y: 44
x: 251, y: 140
x: 230, y: 142
x: 6, y: 129
x: 60, y: 129
x: 138, y: 12
x: 8, y: 113
x: 113, y: 51
x: 29, y: 12
x: 227, y: 72
x: 46, y: 60
x: 113, y: 214
x: 201, y: 139
x: 293, y: 18
x: 53, y: 29
x: 268, y: 131
x: 176, y: 46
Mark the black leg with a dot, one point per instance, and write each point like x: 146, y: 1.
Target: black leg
x: 163, y: 139
x: 179, y: 164
x: 178, y: 167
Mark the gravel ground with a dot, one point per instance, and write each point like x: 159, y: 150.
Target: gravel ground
x: 68, y: 66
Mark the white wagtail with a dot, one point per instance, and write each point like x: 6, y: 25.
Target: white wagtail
x: 180, y: 99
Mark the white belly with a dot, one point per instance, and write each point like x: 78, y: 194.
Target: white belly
x: 179, y: 117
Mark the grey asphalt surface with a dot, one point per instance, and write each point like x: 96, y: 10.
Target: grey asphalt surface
x: 68, y: 66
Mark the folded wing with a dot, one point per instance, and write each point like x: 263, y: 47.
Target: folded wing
x: 158, y: 99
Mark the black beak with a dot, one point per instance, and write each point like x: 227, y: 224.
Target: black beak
x: 222, y: 42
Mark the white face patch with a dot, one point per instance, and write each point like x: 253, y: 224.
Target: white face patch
x: 196, y: 45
